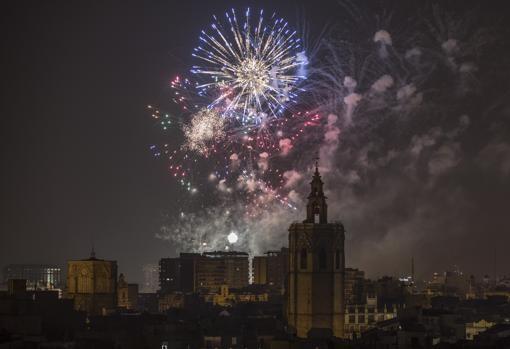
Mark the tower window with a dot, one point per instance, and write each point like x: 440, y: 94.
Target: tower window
x: 303, y: 258
x: 322, y: 258
x: 316, y: 213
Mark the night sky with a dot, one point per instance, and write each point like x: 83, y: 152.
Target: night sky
x: 76, y: 169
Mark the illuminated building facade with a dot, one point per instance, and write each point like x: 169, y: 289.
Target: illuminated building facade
x: 38, y: 276
x: 127, y: 294
x: 207, y: 272
x: 315, y: 297
x: 271, y: 269
x: 150, y: 278
x: 362, y: 317
x: 227, y: 298
x: 259, y: 264
x: 216, y: 269
x: 354, y: 286
x: 92, y: 285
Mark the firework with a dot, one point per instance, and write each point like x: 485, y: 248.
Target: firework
x: 252, y: 68
x: 163, y: 120
x: 235, y: 112
x: 207, y: 127
x: 358, y: 109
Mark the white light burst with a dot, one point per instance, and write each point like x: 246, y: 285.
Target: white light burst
x: 232, y: 237
x: 252, y: 68
x: 206, y: 128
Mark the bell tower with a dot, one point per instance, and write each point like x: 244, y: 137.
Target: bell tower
x: 315, y: 290
x: 316, y: 209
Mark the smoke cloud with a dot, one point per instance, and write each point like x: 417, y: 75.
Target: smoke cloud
x: 406, y: 170
x: 285, y: 146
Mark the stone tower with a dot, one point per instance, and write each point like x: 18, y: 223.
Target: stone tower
x: 92, y: 285
x: 315, y: 297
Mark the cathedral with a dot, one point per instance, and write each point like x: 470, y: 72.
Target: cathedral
x: 92, y: 285
x: 315, y: 296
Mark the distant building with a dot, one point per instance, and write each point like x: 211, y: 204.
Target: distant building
x: 227, y: 297
x: 452, y: 283
x: 150, y: 278
x: 504, y: 282
x: 193, y: 272
x: 16, y: 287
x: 259, y: 265
x: 175, y: 300
x: 436, y: 286
x: 127, y: 294
x: 216, y: 269
x: 92, y: 285
x: 498, y: 336
x: 169, y: 275
x: 315, y: 296
x: 38, y: 276
x: 179, y: 274
x: 362, y: 317
x: 389, y: 290
x: 354, y: 286
x: 498, y: 291
x: 33, y: 319
x: 188, y: 271
x: 148, y: 302
x: 473, y: 329
x: 271, y: 269
x: 457, y: 283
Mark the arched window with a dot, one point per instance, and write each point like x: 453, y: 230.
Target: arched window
x: 322, y: 258
x: 337, y: 259
x: 303, y: 258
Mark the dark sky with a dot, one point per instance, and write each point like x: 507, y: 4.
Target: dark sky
x: 76, y: 78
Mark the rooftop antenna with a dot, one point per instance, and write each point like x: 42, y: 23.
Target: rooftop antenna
x: 92, y: 250
x: 412, y: 268
x: 494, y: 266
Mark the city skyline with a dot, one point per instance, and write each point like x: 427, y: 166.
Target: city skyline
x: 428, y: 180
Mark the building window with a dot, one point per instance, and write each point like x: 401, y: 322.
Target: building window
x: 361, y: 319
x: 304, y: 258
x: 337, y: 259
x: 352, y: 319
x: 322, y: 259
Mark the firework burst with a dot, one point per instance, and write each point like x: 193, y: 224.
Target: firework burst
x: 207, y: 128
x: 252, y: 68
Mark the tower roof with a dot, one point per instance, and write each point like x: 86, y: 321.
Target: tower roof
x: 316, y: 209
x: 316, y: 184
